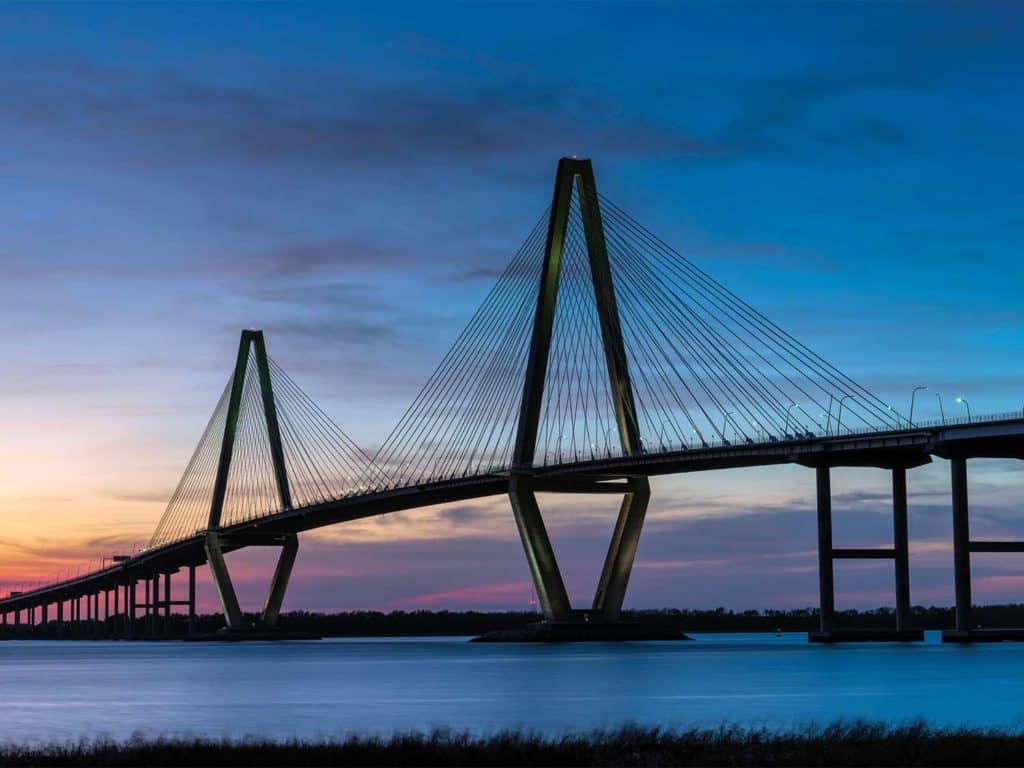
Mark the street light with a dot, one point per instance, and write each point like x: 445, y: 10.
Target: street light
x: 942, y: 411
x: 966, y: 405
x: 839, y: 417
x: 912, y: 396
x: 789, y: 411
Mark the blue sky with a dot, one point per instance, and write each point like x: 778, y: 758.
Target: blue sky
x: 351, y: 178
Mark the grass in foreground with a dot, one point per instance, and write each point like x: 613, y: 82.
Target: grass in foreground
x: 850, y: 744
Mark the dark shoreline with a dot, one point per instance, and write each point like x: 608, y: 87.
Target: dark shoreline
x: 842, y: 744
x: 474, y: 623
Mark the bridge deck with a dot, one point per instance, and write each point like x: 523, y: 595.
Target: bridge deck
x: 1001, y: 437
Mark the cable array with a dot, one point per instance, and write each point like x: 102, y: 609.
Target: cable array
x: 321, y: 461
x: 706, y: 368
x: 711, y: 369
x: 463, y: 421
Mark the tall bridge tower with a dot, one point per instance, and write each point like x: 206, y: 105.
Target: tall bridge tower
x: 607, y: 605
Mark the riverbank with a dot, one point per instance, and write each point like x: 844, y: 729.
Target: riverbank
x: 856, y: 744
x: 474, y: 623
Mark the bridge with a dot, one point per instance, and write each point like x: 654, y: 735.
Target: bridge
x: 600, y: 358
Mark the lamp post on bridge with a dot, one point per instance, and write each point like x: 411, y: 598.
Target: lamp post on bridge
x: 918, y: 388
x: 967, y: 406
x: 789, y: 412
x: 942, y: 411
x: 839, y: 416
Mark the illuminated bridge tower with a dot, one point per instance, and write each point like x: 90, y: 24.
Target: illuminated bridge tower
x: 551, y: 591
x: 215, y: 540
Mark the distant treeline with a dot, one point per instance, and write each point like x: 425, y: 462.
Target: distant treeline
x: 842, y: 744
x: 427, y: 623
x: 375, y: 623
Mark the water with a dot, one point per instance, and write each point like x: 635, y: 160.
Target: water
x: 70, y: 690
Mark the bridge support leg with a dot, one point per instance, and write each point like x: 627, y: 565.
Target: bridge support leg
x: 191, y: 599
x: 222, y: 582
x: 146, y: 623
x: 132, y: 609
x: 279, y: 583
x: 901, y: 545
x: 618, y: 564
x: 60, y: 619
x: 961, y: 544
x: 554, y: 600
x: 226, y: 591
x: 167, y: 605
x: 826, y: 584
x: 828, y: 632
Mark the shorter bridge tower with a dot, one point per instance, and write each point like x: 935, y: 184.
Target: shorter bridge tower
x: 218, y: 541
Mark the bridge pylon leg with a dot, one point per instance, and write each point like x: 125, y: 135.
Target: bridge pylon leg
x: 547, y: 578
x: 222, y: 582
x: 279, y: 583
x: 226, y: 591
x: 611, y: 589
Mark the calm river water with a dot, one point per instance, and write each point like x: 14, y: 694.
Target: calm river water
x: 68, y: 690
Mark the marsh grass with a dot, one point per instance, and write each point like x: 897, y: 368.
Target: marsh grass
x: 842, y: 744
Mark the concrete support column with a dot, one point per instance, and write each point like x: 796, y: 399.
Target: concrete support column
x: 901, y: 545
x: 147, y: 606
x: 539, y: 554
x: 961, y: 544
x: 154, y: 607
x: 826, y: 584
x: 191, y: 599
x: 167, y: 605
x: 222, y: 581
x: 60, y: 619
x: 618, y: 564
x: 279, y: 584
x: 130, y: 605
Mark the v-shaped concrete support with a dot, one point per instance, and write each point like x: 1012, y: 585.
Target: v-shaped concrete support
x: 215, y: 544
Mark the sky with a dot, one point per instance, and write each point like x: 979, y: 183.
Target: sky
x: 351, y: 179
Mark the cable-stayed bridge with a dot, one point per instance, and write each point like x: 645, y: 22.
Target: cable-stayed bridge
x: 600, y: 358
